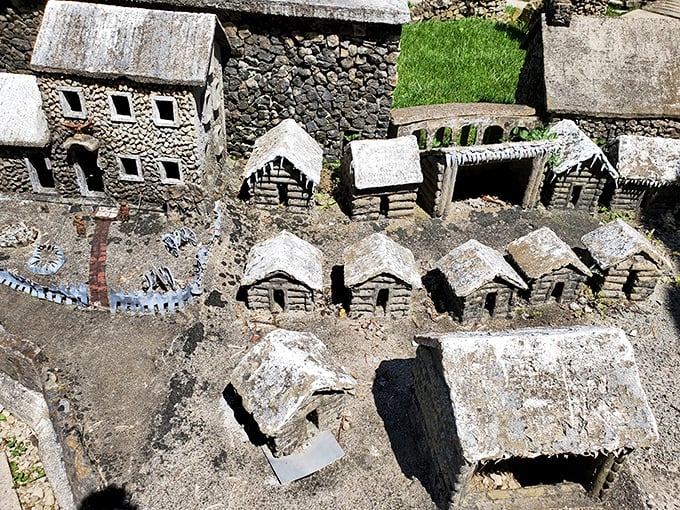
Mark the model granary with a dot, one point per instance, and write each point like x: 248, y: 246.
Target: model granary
x: 626, y: 264
x: 292, y: 389
x: 283, y: 274
x: 557, y: 410
x: 477, y: 282
x: 283, y: 169
x: 380, y: 276
x: 133, y: 99
x: 549, y: 266
x: 381, y: 177
x: 24, y: 136
x: 581, y: 174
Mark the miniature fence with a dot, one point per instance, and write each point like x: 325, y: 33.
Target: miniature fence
x: 62, y: 294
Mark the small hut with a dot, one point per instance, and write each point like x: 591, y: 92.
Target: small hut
x: 478, y: 282
x: 549, y: 266
x: 381, y: 177
x: 284, y: 168
x: 380, y: 276
x: 649, y: 168
x: 283, y: 274
x: 627, y: 265
x: 291, y: 388
x: 581, y: 174
x: 526, y: 407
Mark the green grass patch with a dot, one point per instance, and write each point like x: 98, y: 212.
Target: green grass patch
x: 466, y: 61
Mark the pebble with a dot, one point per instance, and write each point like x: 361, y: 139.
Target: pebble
x: 633, y: 332
x: 574, y: 306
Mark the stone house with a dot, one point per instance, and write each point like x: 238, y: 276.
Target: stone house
x: 626, y: 264
x: 522, y: 405
x: 283, y: 274
x: 133, y: 98
x: 24, y: 137
x: 549, y: 266
x: 582, y: 173
x: 380, y: 276
x: 292, y: 389
x: 381, y: 177
x: 477, y: 282
x: 284, y: 168
x: 649, y: 168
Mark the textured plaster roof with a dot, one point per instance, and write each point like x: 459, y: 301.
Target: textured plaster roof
x: 22, y: 120
x: 617, y: 241
x: 286, y: 253
x: 106, y: 41
x: 541, y: 252
x: 280, y: 372
x: 378, y: 254
x: 385, y: 163
x: 287, y: 140
x: 578, y: 149
x: 649, y: 159
x: 534, y: 392
x: 473, y: 264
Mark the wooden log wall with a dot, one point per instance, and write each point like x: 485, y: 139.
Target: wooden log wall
x: 616, y: 278
x: 473, y: 307
x: 540, y: 290
x: 429, y: 191
x: 628, y: 197
x: 367, y: 207
x: 557, y: 194
x: 298, y: 297
x: 363, y: 298
x: 264, y: 186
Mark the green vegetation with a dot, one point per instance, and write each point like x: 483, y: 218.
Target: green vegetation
x: 608, y: 215
x: 465, y: 61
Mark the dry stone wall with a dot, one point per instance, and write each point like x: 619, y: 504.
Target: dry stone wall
x: 456, y: 9
x: 13, y: 171
x: 607, y: 129
x: 19, y: 22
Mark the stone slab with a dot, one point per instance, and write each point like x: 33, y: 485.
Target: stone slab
x: 8, y: 497
x: 411, y: 114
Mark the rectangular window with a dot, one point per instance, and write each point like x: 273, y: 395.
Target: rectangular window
x: 170, y: 171
x: 72, y: 102
x: 120, y: 104
x: 40, y: 173
x: 164, y: 111
x: 130, y: 168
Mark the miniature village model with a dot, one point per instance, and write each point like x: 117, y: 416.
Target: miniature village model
x: 228, y: 264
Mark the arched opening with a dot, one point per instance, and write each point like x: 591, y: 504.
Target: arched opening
x: 442, y: 137
x: 493, y: 134
x: 421, y: 136
x: 467, y: 135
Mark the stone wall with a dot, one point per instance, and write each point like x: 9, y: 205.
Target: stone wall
x: 590, y: 7
x: 607, y: 129
x: 456, y: 9
x: 14, y: 177
x: 19, y: 22
x: 364, y: 298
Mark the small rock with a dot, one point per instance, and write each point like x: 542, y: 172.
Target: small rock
x: 574, y: 306
x: 633, y: 332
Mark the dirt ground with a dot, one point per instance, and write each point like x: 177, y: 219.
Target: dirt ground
x: 148, y: 390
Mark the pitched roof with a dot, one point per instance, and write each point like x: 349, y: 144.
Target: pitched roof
x: 650, y: 159
x: 472, y: 265
x: 617, y: 241
x: 577, y: 149
x: 289, y: 141
x: 286, y: 253
x: 378, y: 254
x: 280, y: 372
x: 541, y: 252
x: 22, y: 120
x: 385, y: 163
x: 532, y: 392
x: 107, y: 41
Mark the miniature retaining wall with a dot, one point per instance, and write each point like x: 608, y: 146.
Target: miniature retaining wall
x: 455, y: 9
x: 19, y: 22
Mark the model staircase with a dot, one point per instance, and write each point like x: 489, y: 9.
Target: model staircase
x: 670, y: 8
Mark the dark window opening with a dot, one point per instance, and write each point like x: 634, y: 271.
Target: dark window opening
x: 490, y: 303
x: 493, y: 134
x: 382, y: 300
x: 283, y: 193
x: 631, y: 283
x: 575, y: 195
x: 384, y: 205
x: 421, y: 136
x: 42, y: 171
x: 467, y: 135
x: 557, y: 291
x: 506, y: 180
x: 442, y: 137
x: 73, y: 100
x: 130, y: 166
x: 121, y: 105
x: 313, y: 418
x: 279, y: 298
x: 94, y: 176
x: 166, y: 109
x: 171, y: 170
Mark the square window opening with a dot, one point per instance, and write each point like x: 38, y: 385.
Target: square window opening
x: 166, y: 109
x: 122, y: 106
x: 73, y: 103
x: 41, y: 171
x: 130, y: 166
x: 170, y: 171
x: 73, y: 100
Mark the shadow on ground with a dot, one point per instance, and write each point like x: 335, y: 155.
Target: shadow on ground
x: 109, y: 498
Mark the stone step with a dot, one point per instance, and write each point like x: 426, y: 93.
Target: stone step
x: 8, y: 496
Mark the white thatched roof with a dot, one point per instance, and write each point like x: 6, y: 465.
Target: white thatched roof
x: 618, y: 241
x: 289, y: 141
x: 378, y: 254
x: 280, y: 372
x: 107, y: 41
x: 579, y: 150
x: 541, y: 252
x: 288, y: 254
x: 533, y: 392
x: 22, y: 120
x: 472, y: 265
x: 650, y: 159
x: 385, y: 163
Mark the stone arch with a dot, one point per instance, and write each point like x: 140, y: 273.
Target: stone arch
x: 493, y: 134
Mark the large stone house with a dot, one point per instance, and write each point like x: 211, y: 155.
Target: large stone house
x: 292, y: 389
x: 523, y: 407
x: 549, y: 266
x: 625, y: 263
x: 380, y: 276
x: 133, y: 99
x: 283, y: 274
x: 24, y: 137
